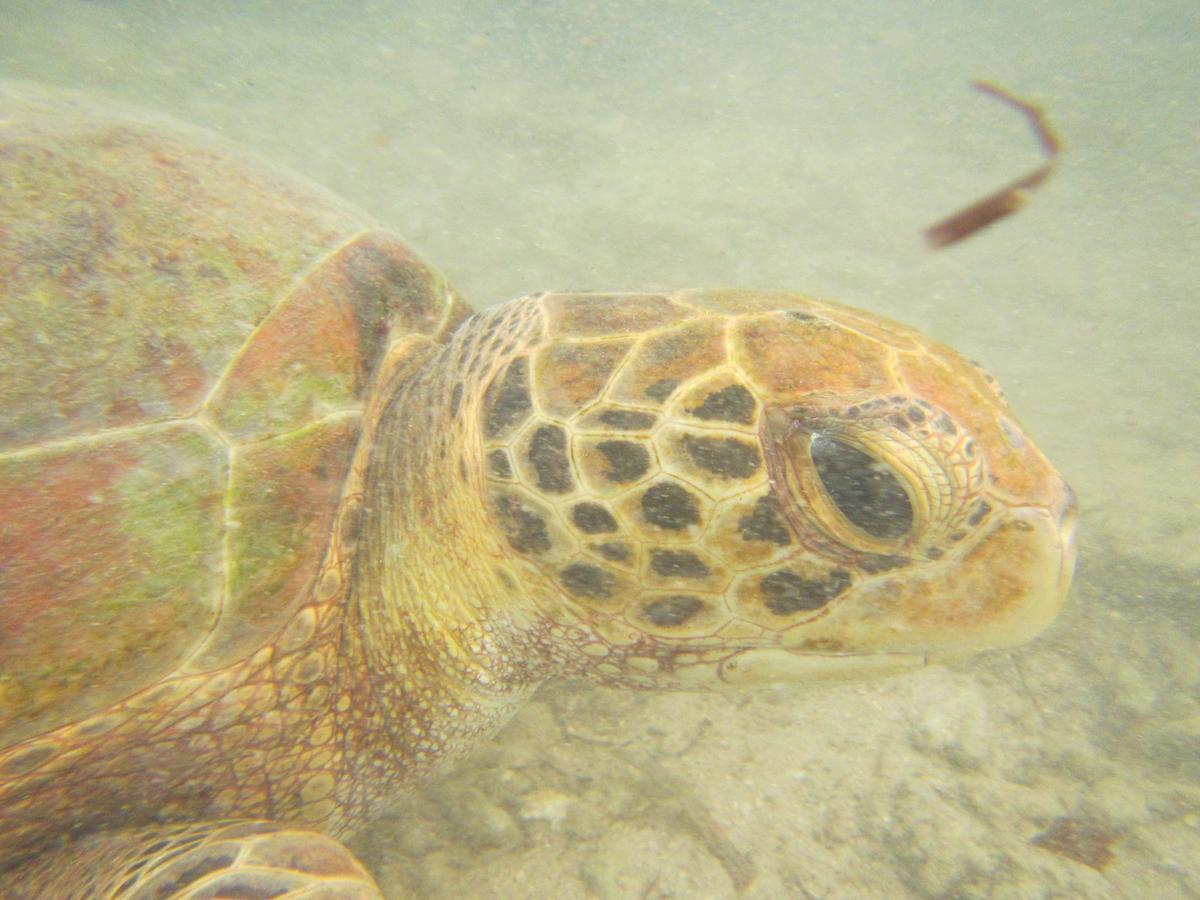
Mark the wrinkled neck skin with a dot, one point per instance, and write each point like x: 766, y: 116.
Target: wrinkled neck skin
x: 449, y: 645
x: 416, y: 643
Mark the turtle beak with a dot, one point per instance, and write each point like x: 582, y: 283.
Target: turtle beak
x: 1068, y: 518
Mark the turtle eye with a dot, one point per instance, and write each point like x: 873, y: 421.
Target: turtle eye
x: 863, y: 489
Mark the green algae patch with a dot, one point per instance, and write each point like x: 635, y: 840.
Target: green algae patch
x: 316, y: 353
x: 282, y: 502
x: 112, y: 568
x: 137, y: 259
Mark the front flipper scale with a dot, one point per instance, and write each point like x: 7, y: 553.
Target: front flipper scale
x: 227, y: 859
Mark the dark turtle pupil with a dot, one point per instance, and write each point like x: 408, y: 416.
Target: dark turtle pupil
x: 863, y: 489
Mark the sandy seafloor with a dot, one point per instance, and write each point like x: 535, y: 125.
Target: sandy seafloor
x: 790, y: 145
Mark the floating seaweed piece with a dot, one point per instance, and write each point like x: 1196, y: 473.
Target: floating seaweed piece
x: 1078, y: 840
x: 1009, y: 198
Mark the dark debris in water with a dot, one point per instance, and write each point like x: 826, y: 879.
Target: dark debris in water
x: 1078, y: 840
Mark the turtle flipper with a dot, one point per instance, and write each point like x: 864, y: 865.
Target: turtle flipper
x: 233, y: 859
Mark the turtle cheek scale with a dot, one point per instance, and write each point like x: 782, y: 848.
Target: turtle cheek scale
x: 725, y: 486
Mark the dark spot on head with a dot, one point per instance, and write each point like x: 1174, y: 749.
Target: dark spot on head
x: 592, y: 518
x: 507, y: 402
x: 661, y: 390
x: 671, y: 611
x: 548, y: 456
x: 969, y: 448
x: 943, y: 424
x: 524, y: 528
x: 798, y: 316
x: 499, y: 465
x: 628, y: 419
x: 957, y: 536
x: 727, y: 457
x: 506, y: 579
x: 670, y: 506
x: 978, y: 513
x: 456, y: 399
x: 678, y: 564
x: 586, y: 580
x: 786, y: 592
x: 764, y: 523
x: 934, y: 553
x: 627, y: 461
x: 916, y: 414
x: 614, y: 550
x: 898, y: 421
x: 730, y: 404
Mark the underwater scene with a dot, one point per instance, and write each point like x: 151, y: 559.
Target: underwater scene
x: 1019, y: 182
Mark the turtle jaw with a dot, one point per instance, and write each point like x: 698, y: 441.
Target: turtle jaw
x: 1001, y: 591
x: 759, y: 665
x: 885, y: 631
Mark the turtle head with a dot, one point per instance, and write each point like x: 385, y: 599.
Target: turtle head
x: 715, y: 485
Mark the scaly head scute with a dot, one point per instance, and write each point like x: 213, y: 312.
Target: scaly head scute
x: 722, y: 482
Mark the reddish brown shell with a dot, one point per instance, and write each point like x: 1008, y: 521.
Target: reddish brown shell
x: 186, y: 339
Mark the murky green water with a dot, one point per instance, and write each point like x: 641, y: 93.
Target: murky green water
x: 800, y: 146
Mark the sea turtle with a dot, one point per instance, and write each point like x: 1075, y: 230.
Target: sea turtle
x: 285, y: 527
